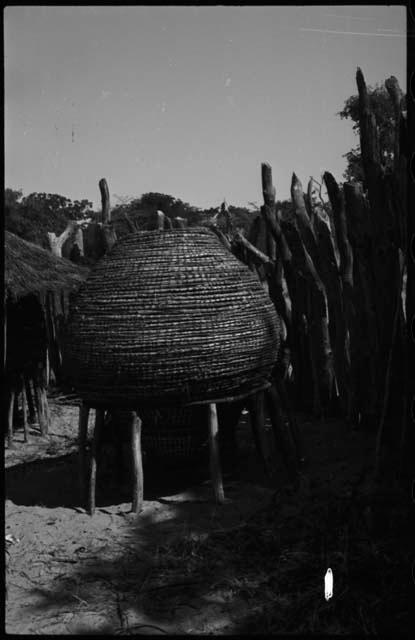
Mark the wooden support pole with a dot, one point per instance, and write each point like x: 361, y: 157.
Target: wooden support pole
x: 24, y: 410
x: 84, y: 410
x: 29, y: 399
x: 137, y: 464
x: 215, y: 468
x: 99, y: 423
x: 5, y: 333
x: 39, y: 407
x: 10, y: 419
x: 42, y: 400
x: 45, y: 408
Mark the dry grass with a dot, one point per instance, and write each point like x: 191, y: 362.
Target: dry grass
x: 30, y: 269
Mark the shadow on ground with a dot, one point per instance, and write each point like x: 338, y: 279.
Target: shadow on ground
x: 185, y: 565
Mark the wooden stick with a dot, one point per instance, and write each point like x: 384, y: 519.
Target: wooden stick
x: 105, y: 201
x: 268, y: 189
x: 256, y: 253
x: 42, y: 401
x: 317, y: 313
x: 30, y: 401
x: 309, y: 201
x: 337, y: 324
x: 99, y: 423
x: 84, y: 410
x: 46, y: 411
x: 10, y: 419
x: 336, y: 197
x: 38, y: 402
x: 24, y: 410
x: 163, y: 222
x: 303, y: 221
x: 215, y: 468
x: 5, y: 333
x: 137, y: 464
x: 56, y: 242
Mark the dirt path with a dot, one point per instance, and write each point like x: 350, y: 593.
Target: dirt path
x: 68, y: 573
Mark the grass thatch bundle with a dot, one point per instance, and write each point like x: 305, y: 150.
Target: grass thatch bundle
x: 30, y: 269
x: 170, y: 317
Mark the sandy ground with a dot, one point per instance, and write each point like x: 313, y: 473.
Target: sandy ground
x: 69, y: 573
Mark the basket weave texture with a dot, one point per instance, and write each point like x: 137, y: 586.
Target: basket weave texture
x: 169, y: 317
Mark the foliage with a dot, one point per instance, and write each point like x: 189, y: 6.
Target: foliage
x: 141, y: 212
x: 32, y: 217
x: 382, y: 108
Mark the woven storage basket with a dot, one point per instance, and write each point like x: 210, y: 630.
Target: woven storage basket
x: 168, y: 317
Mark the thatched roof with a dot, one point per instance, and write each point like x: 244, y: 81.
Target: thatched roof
x: 30, y: 269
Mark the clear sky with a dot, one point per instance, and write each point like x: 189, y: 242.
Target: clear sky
x: 187, y: 100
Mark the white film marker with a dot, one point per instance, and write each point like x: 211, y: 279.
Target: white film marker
x: 328, y: 584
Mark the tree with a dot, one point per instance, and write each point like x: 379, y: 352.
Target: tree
x: 32, y: 217
x: 382, y: 108
x: 12, y: 197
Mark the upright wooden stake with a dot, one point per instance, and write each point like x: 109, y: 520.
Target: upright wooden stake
x: 215, y: 469
x: 10, y: 420
x: 137, y: 466
x: 99, y: 423
x: 84, y: 410
x: 24, y: 411
x: 42, y: 401
x: 5, y: 333
x: 30, y: 401
x: 105, y: 201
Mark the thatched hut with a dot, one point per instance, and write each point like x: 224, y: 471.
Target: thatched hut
x: 37, y: 292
